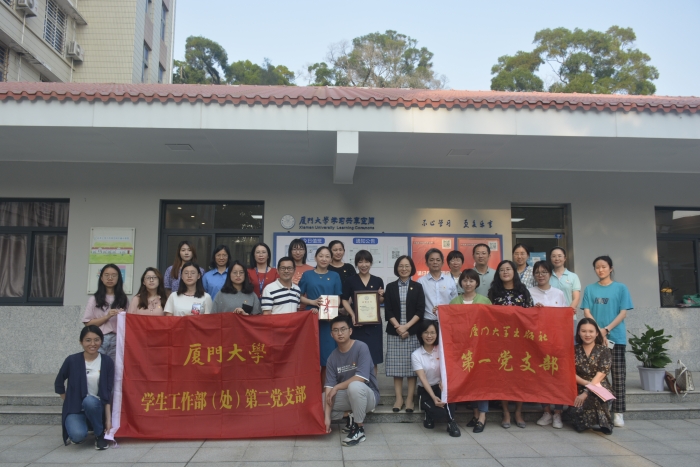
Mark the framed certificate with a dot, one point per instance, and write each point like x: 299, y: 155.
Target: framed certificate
x: 367, y: 308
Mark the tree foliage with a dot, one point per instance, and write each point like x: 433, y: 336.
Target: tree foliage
x: 206, y: 62
x: 383, y: 60
x: 582, y: 61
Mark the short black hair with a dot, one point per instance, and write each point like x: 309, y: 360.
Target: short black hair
x: 542, y: 264
x: 423, y: 326
x: 286, y: 258
x: 470, y: 273
x: 363, y: 255
x: 432, y: 251
x: 341, y: 319
x: 212, y: 264
x: 401, y: 258
x: 247, y: 286
x: 91, y: 328
x: 488, y: 248
x: 454, y: 254
x: 253, y: 263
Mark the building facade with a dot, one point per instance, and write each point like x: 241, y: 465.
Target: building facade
x: 115, y: 41
x: 596, y: 174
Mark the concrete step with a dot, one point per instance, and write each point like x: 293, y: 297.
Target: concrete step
x: 30, y: 415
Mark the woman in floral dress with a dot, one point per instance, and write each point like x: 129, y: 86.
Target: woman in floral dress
x: 593, y: 361
x: 507, y: 290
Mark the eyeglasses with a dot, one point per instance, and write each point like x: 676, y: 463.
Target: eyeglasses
x: 222, y: 256
x: 339, y: 330
x: 150, y: 278
x: 238, y: 273
x: 287, y: 269
x: 430, y: 334
x: 190, y: 273
x: 110, y: 276
x: 298, y: 248
x: 541, y: 273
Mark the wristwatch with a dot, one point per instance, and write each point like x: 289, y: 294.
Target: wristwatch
x: 607, y: 330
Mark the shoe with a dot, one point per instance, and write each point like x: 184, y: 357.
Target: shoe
x: 556, y: 421
x: 619, y: 420
x: 73, y: 442
x: 505, y: 425
x: 472, y: 422
x: 545, y: 419
x: 429, y: 423
x: 479, y: 427
x: 409, y: 410
x: 349, y: 425
x: 397, y: 409
x: 355, y: 437
x: 521, y: 424
x: 453, y: 429
x: 101, y: 443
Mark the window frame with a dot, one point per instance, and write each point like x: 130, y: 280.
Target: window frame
x: 4, y: 58
x: 695, y: 238
x: 161, y: 74
x: 31, y: 232
x: 53, y: 21
x: 146, y: 58
x: 163, y: 233
x: 163, y: 21
x: 567, y: 229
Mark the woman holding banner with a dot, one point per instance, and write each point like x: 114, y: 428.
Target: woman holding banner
x: 543, y: 294
x: 507, y: 290
x: 404, y: 308
x: 313, y: 284
x: 237, y: 295
x: 190, y: 297
x: 151, y: 297
x: 593, y: 363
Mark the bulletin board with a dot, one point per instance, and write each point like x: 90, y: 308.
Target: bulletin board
x: 386, y: 248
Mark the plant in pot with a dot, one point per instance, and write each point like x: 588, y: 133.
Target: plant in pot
x: 649, y: 349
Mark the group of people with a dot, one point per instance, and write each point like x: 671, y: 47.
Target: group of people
x: 350, y: 352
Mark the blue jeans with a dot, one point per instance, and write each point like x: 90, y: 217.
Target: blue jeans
x: 109, y: 346
x: 76, y: 423
x: 483, y: 406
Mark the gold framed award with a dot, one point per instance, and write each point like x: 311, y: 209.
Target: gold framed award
x: 367, y: 307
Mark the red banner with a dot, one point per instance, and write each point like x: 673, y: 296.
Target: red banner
x: 219, y: 376
x: 507, y: 353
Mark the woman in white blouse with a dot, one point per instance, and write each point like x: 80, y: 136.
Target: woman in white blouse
x: 190, y: 299
x: 426, y: 363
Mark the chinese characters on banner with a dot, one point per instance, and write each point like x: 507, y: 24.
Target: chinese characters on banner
x: 507, y: 353
x: 219, y: 376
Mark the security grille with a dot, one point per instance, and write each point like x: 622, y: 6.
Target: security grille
x: 55, y: 26
x: 3, y: 62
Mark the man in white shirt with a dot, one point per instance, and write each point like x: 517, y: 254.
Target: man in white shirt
x: 482, y: 253
x: 282, y: 296
x: 439, y: 289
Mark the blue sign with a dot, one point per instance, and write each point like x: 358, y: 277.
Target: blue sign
x: 558, y: 235
x: 365, y: 241
x: 314, y: 241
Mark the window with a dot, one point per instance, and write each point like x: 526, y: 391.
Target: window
x: 161, y: 73
x: 148, y: 5
x: 3, y: 62
x: 541, y: 228
x: 33, y: 237
x: 238, y: 225
x: 144, y: 70
x: 677, y: 243
x: 163, y: 18
x: 8, y: 2
x: 55, y: 26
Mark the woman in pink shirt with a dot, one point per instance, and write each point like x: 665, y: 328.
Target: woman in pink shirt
x: 102, y: 308
x: 151, y: 297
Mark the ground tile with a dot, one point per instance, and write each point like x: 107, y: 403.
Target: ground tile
x: 268, y: 453
x: 161, y: 464
x: 119, y: 455
x: 490, y: 462
x: 230, y: 454
x: 504, y: 450
x: 626, y: 461
x: 332, y: 439
x: 288, y: 441
x: 7, y: 441
x: 638, y: 425
x: 672, y: 460
x: 374, y: 463
x: 317, y: 464
x: 560, y: 449
x: 445, y: 439
x: 454, y: 452
x: 683, y: 447
x: 177, y: 443
x: 226, y: 443
x: 364, y: 452
x: 13, y: 464
x: 169, y: 454
x: 317, y: 453
x: 264, y: 464
x: 696, y: 421
x: 418, y: 451
x: 27, y: 430
x: 401, y: 428
x: 647, y: 447
x: 104, y: 464
x: 12, y: 454
x: 70, y: 455
x: 631, y: 435
x: 603, y: 449
x: 407, y: 439
x: 676, y: 424
x: 45, y: 441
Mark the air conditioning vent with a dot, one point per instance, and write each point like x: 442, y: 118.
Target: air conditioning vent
x: 29, y: 7
x: 75, y: 51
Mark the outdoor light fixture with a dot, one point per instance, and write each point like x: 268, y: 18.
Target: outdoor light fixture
x: 256, y: 216
x: 517, y: 219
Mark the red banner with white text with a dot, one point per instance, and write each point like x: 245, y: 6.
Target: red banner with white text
x: 507, y: 353
x: 218, y: 376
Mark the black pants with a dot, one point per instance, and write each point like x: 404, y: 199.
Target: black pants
x: 445, y: 413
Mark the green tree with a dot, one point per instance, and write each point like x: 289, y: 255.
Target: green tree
x: 246, y: 72
x: 205, y: 62
x: 582, y: 61
x: 382, y: 60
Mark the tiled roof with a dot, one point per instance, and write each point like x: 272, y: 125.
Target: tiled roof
x: 295, y: 95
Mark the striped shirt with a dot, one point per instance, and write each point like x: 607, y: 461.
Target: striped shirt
x: 279, y: 299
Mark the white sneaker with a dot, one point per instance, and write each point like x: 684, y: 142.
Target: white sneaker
x: 556, y: 421
x: 618, y: 420
x: 545, y: 419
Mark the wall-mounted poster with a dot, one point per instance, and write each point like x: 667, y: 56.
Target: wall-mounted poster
x: 466, y: 244
x: 111, y: 245
x: 421, y: 245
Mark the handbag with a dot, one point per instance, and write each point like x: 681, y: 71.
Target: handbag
x: 671, y: 383
x: 667, y: 299
x: 692, y: 300
x: 684, y: 379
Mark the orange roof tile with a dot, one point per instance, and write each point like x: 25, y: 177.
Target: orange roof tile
x: 308, y: 95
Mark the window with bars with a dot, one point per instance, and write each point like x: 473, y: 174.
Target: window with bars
x: 3, y: 62
x: 55, y: 26
x: 161, y: 73
x: 163, y: 21
x: 144, y: 70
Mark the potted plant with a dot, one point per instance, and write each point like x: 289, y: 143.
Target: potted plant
x: 649, y: 349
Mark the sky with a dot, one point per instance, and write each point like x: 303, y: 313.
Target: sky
x: 467, y: 37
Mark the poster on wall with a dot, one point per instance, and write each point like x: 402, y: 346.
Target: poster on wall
x: 466, y: 243
x: 385, y: 249
x: 113, y: 245
x: 421, y: 245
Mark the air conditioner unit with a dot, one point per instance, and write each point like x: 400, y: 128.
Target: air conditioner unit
x: 75, y: 51
x: 29, y: 7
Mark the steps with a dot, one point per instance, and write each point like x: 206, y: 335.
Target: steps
x: 26, y: 400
